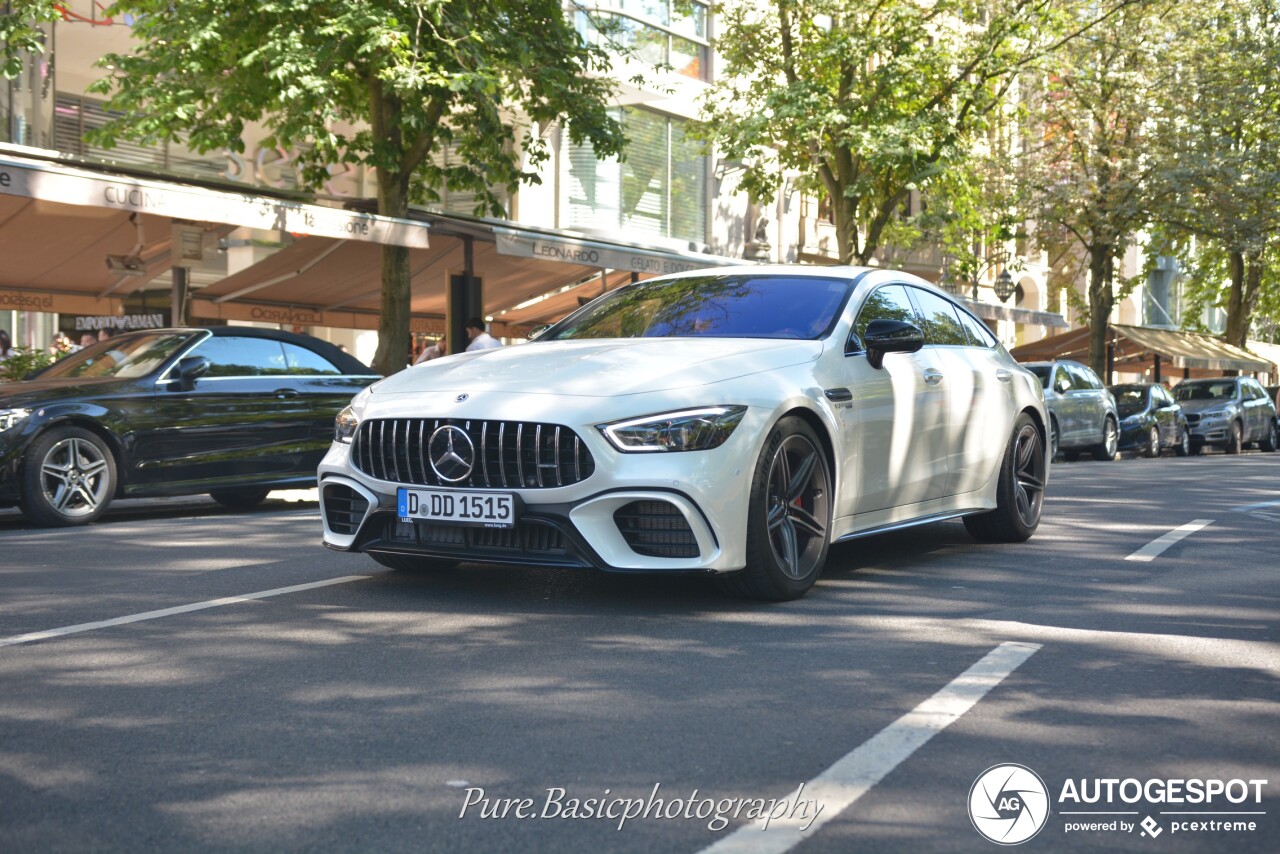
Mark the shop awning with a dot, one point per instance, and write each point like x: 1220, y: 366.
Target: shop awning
x: 1135, y: 349
x: 994, y: 311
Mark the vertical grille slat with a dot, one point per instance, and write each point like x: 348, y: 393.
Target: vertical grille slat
x: 399, y: 450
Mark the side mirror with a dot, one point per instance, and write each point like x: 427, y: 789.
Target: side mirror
x: 890, y: 336
x: 189, y: 370
x: 538, y: 330
x: 1062, y: 385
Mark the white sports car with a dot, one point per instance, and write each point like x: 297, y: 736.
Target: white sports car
x: 735, y: 421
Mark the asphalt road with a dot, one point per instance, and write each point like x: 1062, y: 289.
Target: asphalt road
x: 365, y: 715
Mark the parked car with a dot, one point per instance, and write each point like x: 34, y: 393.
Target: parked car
x: 1229, y: 412
x: 232, y: 411
x: 1150, y: 419
x: 734, y: 422
x: 1082, y: 412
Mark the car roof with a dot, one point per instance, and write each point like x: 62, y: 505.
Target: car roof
x: 345, y: 362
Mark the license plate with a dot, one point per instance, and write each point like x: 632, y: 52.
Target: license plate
x: 482, y: 509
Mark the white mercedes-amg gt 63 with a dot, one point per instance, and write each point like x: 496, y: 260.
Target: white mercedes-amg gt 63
x: 734, y: 421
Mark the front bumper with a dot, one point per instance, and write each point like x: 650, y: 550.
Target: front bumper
x: 1133, y: 436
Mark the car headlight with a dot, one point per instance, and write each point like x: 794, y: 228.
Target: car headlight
x: 345, y: 425
x: 12, y: 418
x: 1214, y: 415
x: 686, y: 430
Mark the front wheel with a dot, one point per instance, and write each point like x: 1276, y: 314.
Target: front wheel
x: 68, y: 477
x: 1235, y: 442
x: 1271, y: 441
x: 1153, y: 443
x: 239, y: 499
x: 1106, y: 449
x: 1020, y: 492
x: 1183, y: 448
x: 788, y: 517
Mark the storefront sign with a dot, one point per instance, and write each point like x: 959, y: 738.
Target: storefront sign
x: 16, y: 300
x: 590, y: 254
x: 121, y: 322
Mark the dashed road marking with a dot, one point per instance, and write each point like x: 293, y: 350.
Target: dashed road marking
x: 1157, y: 546
x: 859, y: 771
x: 169, y: 612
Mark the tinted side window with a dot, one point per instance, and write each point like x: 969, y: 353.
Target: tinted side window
x: 301, y: 361
x: 941, y: 326
x: 979, y: 334
x: 885, y: 303
x: 242, y: 357
x: 1060, y: 374
x: 1082, y: 378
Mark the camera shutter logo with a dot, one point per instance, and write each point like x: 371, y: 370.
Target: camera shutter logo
x: 1008, y: 804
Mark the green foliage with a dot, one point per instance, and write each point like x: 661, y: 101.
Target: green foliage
x: 22, y: 361
x: 20, y: 32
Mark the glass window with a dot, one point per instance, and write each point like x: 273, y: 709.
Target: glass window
x: 711, y: 306
x: 230, y: 356
x: 1130, y: 399
x: 979, y: 334
x: 1061, y: 379
x: 124, y: 356
x: 1206, y: 390
x: 300, y: 360
x: 659, y: 32
x: 941, y: 326
x: 1041, y: 372
x: 1083, y: 378
x: 889, y: 302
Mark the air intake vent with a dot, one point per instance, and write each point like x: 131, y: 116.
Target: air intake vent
x: 344, y: 508
x: 503, y: 454
x: 656, y: 529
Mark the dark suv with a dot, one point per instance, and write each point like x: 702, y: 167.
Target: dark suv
x: 1230, y: 412
x: 1081, y: 410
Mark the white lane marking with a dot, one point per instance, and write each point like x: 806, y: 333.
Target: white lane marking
x: 1154, y: 548
x: 169, y: 612
x: 859, y: 771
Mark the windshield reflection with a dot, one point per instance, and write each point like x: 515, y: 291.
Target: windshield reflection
x: 122, y: 357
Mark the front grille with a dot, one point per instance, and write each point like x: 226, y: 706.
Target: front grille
x: 343, y: 508
x: 528, y: 537
x: 656, y: 529
x: 1193, y: 418
x: 508, y: 454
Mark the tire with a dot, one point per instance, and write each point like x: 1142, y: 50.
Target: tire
x: 1153, y: 443
x: 1020, y: 492
x: 239, y: 498
x: 413, y: 563
x: 1271, y: 441
x: 1106, y: 449
x: 788, y: 517
x: 68, y: 477
x: 1236, y: 442
x: 1183, y: 448
x: 1053, y: 438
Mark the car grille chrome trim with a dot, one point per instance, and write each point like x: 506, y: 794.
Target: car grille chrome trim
x: 388, y: 448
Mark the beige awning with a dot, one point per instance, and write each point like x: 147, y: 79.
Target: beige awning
x: 1136, y: 348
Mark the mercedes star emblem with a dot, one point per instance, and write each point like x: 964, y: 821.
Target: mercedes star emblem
x: 452, y: 453
x: 461, y: 398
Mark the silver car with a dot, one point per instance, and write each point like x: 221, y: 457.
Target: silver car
x: 1082, y: 412
x: 1230, y: 412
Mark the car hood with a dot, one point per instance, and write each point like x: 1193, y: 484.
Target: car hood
x: 35, y: 392
x: 1202, y: 405
x: 601, y: 368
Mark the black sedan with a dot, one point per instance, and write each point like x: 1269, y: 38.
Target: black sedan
x: 1151, y: 420
x: 231, y: 411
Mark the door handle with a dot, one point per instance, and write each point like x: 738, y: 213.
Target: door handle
x: 932, y: 376
x: 1003, y: 375
x: 285, y: 393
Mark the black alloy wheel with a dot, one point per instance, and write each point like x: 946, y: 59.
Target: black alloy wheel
x: 68, y: 477
x: 789, y: 516
x: 1020, y: 492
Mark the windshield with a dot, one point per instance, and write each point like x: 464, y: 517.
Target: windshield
x: 1041, y: 371
x: 1206, y: 390
x: 123, y: 357
x: 1130, y: 399
x: 711, y: 306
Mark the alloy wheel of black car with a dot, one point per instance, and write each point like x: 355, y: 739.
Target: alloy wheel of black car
x: 1153, y: 442
x: 789, y: 517
x: 68, y: 477
x: 1020, y: 494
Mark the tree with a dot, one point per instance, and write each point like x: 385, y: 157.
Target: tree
x: 20, y: 33
x: 1085, y: 183
x: 869, y: 101
x: 383, y: 83
x: 1217, y: 189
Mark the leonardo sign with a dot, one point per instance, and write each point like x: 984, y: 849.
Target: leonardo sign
x: 592, y: 254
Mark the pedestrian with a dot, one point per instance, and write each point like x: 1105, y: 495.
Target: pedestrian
x: 104, y: 333
x: 435, y: 351
x: 480, y: 340
x: 6, y: 345
x: 88, y: 340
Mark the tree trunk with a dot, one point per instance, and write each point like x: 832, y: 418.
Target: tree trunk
x: 1246, y: 287
x: 1101, y: 301
x: 393, y: 325
x: 845, y: 213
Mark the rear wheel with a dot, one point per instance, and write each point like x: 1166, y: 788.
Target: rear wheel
x: 1236, y: 440
x: 1106, y: 449
x: 1020, y: 493
x: 1153, y: 443
x: 789, y: 516
x: 412, y: 563
x: 239, y: 498
x: 1183, y: 448
x: 68, y: 477
x: 1271, y: 441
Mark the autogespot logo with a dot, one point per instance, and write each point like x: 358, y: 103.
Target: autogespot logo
x: 1008, y: 804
